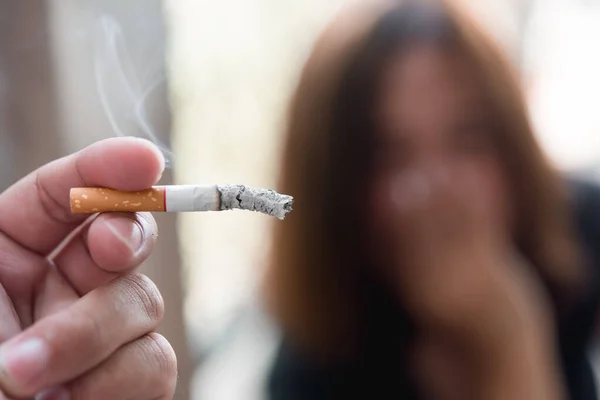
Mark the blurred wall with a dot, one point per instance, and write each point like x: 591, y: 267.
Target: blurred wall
x: 28, y: 121
x: 563, y: 64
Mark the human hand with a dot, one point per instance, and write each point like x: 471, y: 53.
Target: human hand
x: 484, y: 319
x: 79, y: 322
x: 456, y: 267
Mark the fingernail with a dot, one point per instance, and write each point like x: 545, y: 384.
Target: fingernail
x: 159, y: 154
x: 59, y: 393
x: 127, y: 231
x: 163, y: 163
x: 22, y: 363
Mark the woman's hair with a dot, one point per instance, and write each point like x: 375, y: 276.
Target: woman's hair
x: 318, y: 281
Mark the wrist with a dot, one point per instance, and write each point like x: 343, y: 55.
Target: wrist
x: 524, y: 366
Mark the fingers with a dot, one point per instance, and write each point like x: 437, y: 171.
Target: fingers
x: 143, y: 369
x: 20, y: 268
x: 424, y: 203
x: 70, y: 342
x: 9, y: 326
x: 38, y: 206
x: 112, y: 244
x: 432, y: 200
x: 433, y: 220
x: 53, y: 295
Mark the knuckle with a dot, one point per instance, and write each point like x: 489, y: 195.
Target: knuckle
x: 142, y: 288
x: 164, y: 360
x: 49, y: 204
x: 144, y: 369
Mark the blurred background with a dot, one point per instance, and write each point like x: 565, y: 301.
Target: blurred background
x: 209, y: 82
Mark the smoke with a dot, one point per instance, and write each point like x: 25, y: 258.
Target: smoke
x: 124, y: 98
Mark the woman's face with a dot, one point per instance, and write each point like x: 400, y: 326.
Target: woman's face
x: 432, y: 115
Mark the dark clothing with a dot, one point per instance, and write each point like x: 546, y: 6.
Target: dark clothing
x: 577, y: 332
x: 379, y: 372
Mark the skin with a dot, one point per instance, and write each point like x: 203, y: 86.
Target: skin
x: 83, y: 318
x: 442, y: 216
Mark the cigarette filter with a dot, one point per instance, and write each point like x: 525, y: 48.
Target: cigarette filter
x: 181, y: 198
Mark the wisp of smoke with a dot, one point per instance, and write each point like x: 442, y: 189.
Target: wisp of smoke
x: 123, y: 97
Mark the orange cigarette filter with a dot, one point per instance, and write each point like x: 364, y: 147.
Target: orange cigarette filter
x: 93, y: 200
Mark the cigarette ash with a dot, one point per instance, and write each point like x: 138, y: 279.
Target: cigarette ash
x: 265, y: 201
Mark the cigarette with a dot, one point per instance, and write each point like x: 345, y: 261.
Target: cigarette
x: 181, y: 198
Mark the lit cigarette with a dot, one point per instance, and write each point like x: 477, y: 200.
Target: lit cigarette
x: 181, y: 198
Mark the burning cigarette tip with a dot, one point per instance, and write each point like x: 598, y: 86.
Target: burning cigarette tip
x: 265, y: 201
x: 181, y: 198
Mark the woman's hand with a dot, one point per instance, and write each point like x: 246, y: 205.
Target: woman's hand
x: 465, y: 285
x: 79, y: 323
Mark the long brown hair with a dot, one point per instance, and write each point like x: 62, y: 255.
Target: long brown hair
x: 317, y: 276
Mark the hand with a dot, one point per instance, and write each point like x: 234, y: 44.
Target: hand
x: 77, y: 321
x: 455, y: 261
x: 479, y: 310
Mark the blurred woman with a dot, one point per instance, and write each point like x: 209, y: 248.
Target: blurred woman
x: 433, y: 251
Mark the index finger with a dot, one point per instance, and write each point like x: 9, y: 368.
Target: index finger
x: 36, y: 210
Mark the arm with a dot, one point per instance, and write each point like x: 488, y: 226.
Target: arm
x: 525, y: 369
x: 515, y: 367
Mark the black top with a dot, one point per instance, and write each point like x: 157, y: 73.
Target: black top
x: 377, y: 372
